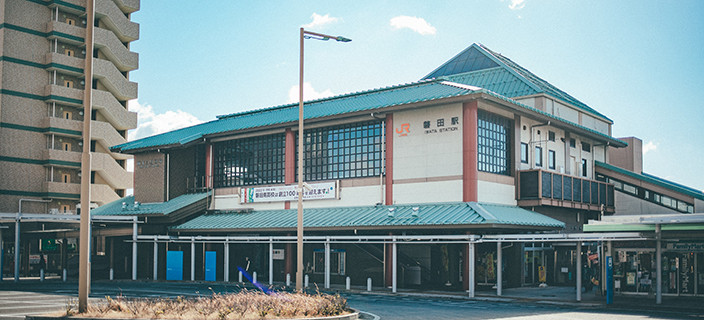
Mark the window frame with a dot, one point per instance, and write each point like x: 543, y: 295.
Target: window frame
x: 524, y: 153
x: 494, y: 148
x: 551, y: 159
x: 538, y: 155
x: 585, y: 167
x: 250, y: 161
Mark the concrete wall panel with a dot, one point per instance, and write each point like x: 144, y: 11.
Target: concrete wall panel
x: 428, y: 192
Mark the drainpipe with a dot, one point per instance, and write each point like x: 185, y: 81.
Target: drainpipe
x: 17, y: 235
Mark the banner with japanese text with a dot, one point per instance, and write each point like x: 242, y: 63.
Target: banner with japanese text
x: 318, y: 191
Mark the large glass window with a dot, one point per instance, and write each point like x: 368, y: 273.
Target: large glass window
x: 493, y: 143
x: 249, y: 161
x: 344, y: 151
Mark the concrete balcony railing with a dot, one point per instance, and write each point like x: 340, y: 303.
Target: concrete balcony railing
x: 61, y: 158
x: 118, y: 116
x: 116, y: 176
x: 64, y: 95
x: 110, y: 14
x: 112, y: 47
x: 102, y: 194
x: 62, y: 190
x: 73, y: 6
x: 105, y: 134
x: 64, y: 64
x: 67, y: 33
x: 61, y: 126
x: 128, y: 6
x: 108, y: 74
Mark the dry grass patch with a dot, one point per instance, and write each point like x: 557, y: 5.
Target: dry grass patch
x: 242, y: 305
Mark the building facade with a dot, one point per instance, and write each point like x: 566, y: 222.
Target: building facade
x: 44, y: 50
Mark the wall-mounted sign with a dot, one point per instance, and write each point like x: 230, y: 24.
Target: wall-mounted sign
x: 277, y: 254
x: 152, y: 163
x: 318, y: 191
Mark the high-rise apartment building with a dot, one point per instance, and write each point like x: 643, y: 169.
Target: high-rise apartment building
x: 44, y: 51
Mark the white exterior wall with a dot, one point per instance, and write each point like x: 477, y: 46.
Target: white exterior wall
x: 492, y: 192
x: 424, y: 153
x: 428, y: 192
x: 565, y: 112
x: 698, y: 206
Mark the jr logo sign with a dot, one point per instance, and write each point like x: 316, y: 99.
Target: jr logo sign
x: 404, y: 130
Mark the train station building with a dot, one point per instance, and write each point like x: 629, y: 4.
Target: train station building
x: 479, y: 176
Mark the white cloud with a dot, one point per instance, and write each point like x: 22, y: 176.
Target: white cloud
x: 517, y: 4
x: 414, y: 23
x: 650, y: 146
x: 309, y: 93
x: 319, y: 20
x: 150, y: 123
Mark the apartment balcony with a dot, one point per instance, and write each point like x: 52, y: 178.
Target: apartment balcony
x: 61, y: 158
x: 62, y: 190
x: 546, y: 188
x: 67, y: 33
x: 71, y: 6
x: 61, y: 126
x: 112, y: 47
x: 116, y: 176
x: 105, y: 134
x: 128, y: 6
x: 110, y: 14
x: 114, y: 112
x: 64, y: 95
x: 102, y: 194
x: 113, y: 80
x: 64, y: 64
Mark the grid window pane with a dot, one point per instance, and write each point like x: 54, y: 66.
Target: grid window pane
x: 249, y: 161
x: 493, y: 143
x: 340, y: 152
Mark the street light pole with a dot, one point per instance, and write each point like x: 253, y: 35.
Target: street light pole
x: 299, y: 225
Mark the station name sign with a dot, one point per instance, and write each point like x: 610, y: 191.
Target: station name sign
x: 318, y: 191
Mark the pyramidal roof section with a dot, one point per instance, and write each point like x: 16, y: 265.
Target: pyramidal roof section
x: 477, y: 65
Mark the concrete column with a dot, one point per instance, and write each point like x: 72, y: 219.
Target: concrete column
x: 389, y: 159
x: 499, y: 267
x: 156, y: 258
x: 470, y: 172
x: 578, y: 276
x: 471, y: 270
x: 271, y: 261
x: 226, y: 258
x: 2, y: 255
x: 134, y: 249
x: 193, y: 259
x: 394, y: 266
x: 658, y: 262
x: 17, y: 248
x: 327, y: 263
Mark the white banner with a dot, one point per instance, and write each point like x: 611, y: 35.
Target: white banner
x: 318, y: 191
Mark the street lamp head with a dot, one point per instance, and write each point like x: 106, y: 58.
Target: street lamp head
x: 342, y: 39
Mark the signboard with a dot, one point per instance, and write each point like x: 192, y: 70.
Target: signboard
x: 277, y: 254
x: 685, y: 246
x: 174, y: 265
x: 318, y: 191
x: 541, y: 274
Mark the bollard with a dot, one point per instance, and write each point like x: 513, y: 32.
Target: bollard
x: 254, y: 277
x: 288, y: 279
x: 305, y: 281
x: 64, y: 276
x: 369, y: 284
x: 112, y: 274
x: 41, y: 275
x: 239, y: 278
x: 347, y: 283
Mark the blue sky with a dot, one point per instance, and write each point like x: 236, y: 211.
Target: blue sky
x: 641, y: 63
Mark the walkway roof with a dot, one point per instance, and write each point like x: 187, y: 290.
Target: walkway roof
x: 448, y: 215
x: 654, y: 180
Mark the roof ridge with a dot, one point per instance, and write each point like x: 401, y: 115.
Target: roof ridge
x: 339, y: 96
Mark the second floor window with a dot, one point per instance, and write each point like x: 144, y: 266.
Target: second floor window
x: 249, y: 161
x: 584, y: 167
x: 342, y: 152
x: 524, y: 152
x: 493, y: 141
x: 551, y: 159
x: 538, y: 156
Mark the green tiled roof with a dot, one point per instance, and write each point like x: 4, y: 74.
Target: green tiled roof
x: 444, y: 214
x: 654, y: 180
x: 515, y: 81
x: 425, y: 90
x: 361, y: 101
x: 159, y: 208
